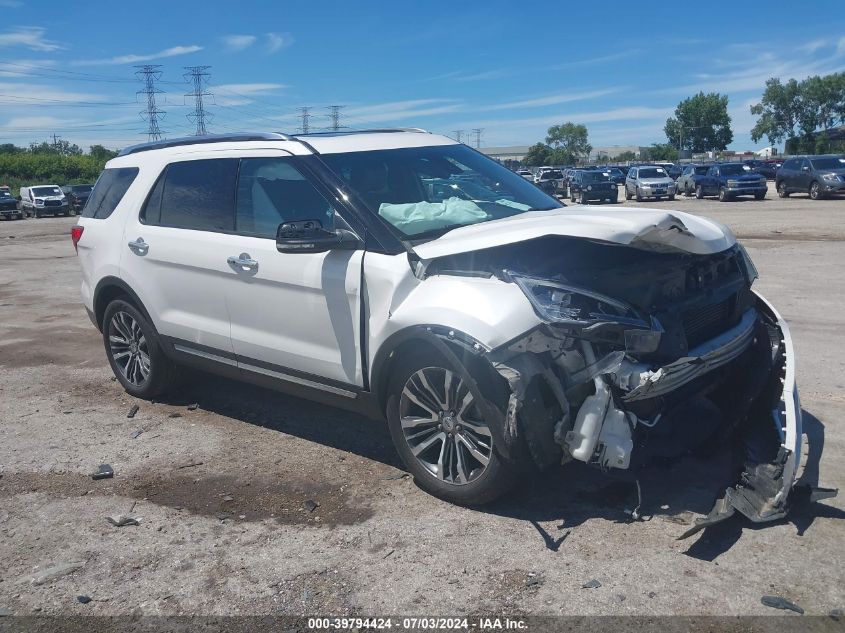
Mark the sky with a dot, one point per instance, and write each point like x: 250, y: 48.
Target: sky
x: 510, y: 68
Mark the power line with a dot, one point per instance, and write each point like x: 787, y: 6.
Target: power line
x: 477, y: 131
x: 197, y: 76
x: 457, y: 135
x: 305, y: 117
x: 334, y: 115
x: 149, y: 74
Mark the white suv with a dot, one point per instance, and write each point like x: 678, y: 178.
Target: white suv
x: 407, y: 276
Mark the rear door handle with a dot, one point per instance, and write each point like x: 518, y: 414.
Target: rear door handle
x: 243, y: 261
x: 139, y: 246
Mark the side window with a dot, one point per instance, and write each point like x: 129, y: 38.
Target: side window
x: 632, y: 173
x: 272, y: 191
x: 108, y: 192
x: 196, y: 194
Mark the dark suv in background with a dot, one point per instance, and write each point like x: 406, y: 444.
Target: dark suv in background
x: 77, y: 196
x: 818, y: 176
x: 592, y: 184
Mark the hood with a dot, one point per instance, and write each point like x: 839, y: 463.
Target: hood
x: 657, y: 181
x: 648, y: 229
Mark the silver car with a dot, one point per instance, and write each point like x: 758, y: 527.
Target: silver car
x: 649, y: 181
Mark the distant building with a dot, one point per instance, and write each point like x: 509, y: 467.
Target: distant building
x: 512, y: 152
x: 518, y: 152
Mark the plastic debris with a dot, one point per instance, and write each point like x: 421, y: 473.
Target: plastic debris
x: 137, y: 434
x: 120, y: 520
x: 83, y: 599
x: 133, y: 411
x: 311, y: 505
x: 175, y: 414
x: 592, y: 584
x: 104, y: 471
x: 193, y: 406
x: 56, y: 571
x: 776, y: 602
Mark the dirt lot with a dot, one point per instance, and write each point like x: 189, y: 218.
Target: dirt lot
x: 223, y: 490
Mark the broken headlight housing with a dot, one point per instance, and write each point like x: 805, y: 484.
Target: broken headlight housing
x: 750, y: 269
x: 562, y: 303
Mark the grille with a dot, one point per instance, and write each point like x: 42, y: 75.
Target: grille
x: 704, y: 323
x: 52, y: 203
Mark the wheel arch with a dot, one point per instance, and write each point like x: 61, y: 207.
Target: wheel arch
x: 110, y: 288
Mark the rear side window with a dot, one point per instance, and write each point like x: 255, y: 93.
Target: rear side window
x: 108, y: 192
x: 195, y: 194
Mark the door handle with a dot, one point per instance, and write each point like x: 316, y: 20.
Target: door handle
x: 139, y: 246
x: 243, y: 261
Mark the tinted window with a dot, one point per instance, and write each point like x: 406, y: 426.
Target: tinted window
x: 735, y: 169
x: 272, y: 191
x: 652, y: 172
x: 108, y: 192
x: 46, y: 191
x: 198, y: 195
x: 790, y: 164
x: 828, y: 162
x: 702, y: 169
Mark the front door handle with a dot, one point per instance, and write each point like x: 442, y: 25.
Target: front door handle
x: 139, y: 246
x: 243, y: 261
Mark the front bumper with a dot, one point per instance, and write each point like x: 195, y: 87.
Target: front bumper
x: 655, y: 192
x: 746, y: 191
x: 832, y: 186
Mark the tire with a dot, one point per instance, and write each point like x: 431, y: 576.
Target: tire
x: 782, y: 191
x: 699, y: 192
x: 639, y: 195
x: 671, y: 197
x: 583, y: 199
x: 37, y: 215
x: 571, y: 196
x: 723, y: 195
x: 759, y: 195
x: 815, y: 191
x: 627, y: 193
x: 128, y: 334
x: 614, y: 199
x: 437, y: 469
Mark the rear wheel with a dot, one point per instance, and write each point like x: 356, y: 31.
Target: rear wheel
x: 134, y: 351
x: 815, y: 191
x: 782, y: 192
x: 441, y: 434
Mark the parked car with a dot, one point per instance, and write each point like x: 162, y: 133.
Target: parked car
x: 649, y: 181
x: 9, y: 206
x: 488, y: 335
x: 44, y: 200
x: 762, y: 167
x: 77, y: 196
x: 729, y: 180
x: 818, y: 176
x: 616, y: 175
x: 592, y: 184
x: 551, y: 181
x: 672, y: 169
x: 525, y: 173
x: 686, y: 181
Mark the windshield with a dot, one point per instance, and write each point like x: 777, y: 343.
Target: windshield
x: 595, y: 176
x: 426, y: 191
x: 652, y: 172
x: 734, y: 169
x: 701, y: 169
x: 828, y: 163
x: 81, y: 188
x: 46, y: 191
x: 616, y: 172
x: 551, y: 174
x: 5, y: 194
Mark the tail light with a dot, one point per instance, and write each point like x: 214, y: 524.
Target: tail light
x: 76, y: 235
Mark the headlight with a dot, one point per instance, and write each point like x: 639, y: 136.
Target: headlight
x: 39, y: 203
x: 830, y: 176
x: 589, y: 187
x: 750, y: 269
x: 562, y: 303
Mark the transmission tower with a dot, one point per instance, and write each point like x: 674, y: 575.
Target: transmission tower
x: 305, y: 116
x: 458, y: 134
x: 149, y: 74
x: 477, y: 131
x: 334, y: 115
x: 198, y: 77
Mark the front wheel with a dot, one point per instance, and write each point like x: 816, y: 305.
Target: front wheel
x: 782, y: 192
x: 639, y: 195
x: 671, y: 197
x: 759, y: 195
x: 723, y: 195
x: 582, y: 199
x: 441, y: 435
x: 815, y: 191
x: 134, y: 351
x: 699, y: 192
x: 627, y: 193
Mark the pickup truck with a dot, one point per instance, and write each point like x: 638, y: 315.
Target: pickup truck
x: 729, y: 180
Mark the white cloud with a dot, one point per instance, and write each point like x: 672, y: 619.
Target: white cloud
x: 31, y: 37
x: 134, y: 59
x: 32, y: 122
x: 23, y: 67
x: 237, y: 43
x: 550, y: 100
x: 277, y: 41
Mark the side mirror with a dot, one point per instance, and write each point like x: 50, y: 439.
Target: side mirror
x: 309, y: 236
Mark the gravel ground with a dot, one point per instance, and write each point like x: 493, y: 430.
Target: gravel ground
x: 226, y: 491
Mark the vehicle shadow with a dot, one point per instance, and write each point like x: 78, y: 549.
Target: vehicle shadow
x: 674, y: 491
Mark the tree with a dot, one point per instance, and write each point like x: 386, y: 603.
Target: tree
x: 663, y: 152
x: 797, y: 111
x: 569, y: 142
x: 701, y: 123
x: 624, y: 156
x: 538, y: 154
x: 62, y: 148
x: 98, y: 152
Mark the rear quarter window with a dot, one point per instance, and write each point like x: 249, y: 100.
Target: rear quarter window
x: 109, y: 190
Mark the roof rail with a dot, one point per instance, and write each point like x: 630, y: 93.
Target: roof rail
x: 386, y: 130
x: 208, y: 138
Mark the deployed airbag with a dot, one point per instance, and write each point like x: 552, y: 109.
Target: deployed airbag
x: 426, y: 216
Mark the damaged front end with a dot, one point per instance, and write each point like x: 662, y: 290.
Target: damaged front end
x: 644, y: 354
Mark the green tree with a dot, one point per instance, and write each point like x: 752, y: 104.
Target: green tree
x: 538, y: 154
x: 62, y: 148
x: 625, y: 156
x: 701, y: 123
x: 569, y: 142
x: 798, y: 110
x: 662, y: 152
x: 98, y: 152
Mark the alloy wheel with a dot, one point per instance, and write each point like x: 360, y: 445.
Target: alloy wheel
x: 128, y: 347
x: 443, y: 427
